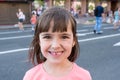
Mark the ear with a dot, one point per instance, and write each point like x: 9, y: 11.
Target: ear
x: 73, y: 44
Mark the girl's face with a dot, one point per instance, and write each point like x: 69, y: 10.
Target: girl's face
x: 56, y: 46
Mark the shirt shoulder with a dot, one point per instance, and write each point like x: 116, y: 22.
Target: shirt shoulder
x: 30, y: 74
x: 81, y: 73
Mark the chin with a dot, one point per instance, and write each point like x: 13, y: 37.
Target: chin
x: 53, y: 61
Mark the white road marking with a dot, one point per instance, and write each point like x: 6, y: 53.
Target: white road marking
x: 80, y: 34
x: 12, y: 51
x: 82, y: 30
x: 108, y: 28
x: 101, y: 37
x: 15, y: 32
x: 6, y: 38
x: 117, y: 44
x: 84, y: 34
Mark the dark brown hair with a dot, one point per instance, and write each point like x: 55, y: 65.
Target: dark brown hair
x: 61, y: 18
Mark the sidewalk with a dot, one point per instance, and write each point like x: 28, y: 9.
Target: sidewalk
x: 81, y: 20
x: 89, y: 21
x: 86, y: 20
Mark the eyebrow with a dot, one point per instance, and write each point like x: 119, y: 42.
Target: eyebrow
x: 44, y: 34
x: 66, y: 34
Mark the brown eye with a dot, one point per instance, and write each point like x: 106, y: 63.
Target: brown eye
x: 46, y: 37
x: 65, y: 37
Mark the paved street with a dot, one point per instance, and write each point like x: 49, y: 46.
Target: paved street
x: 99, y: 53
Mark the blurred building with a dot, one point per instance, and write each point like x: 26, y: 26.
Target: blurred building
x: 8, y: 9
x: 85, y: 6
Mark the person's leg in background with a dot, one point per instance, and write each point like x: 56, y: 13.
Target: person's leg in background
x: 33, y: 25
x: 96, y: 25
x: 20, y: 23
x: 99, y: 25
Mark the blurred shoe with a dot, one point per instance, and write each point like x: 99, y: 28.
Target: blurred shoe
x: 100, y: 32
x: 32, y: 29
x: 94, y: 31
x: 16, y: 25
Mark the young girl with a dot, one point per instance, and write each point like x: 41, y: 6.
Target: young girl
x: 55, y: 48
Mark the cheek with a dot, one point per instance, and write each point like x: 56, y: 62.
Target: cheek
x: 68, y: 45
x: 43, y: 46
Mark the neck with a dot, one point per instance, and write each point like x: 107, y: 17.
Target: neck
x: 58, y: 69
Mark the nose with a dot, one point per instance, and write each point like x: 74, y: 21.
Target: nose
x: 55, y: 44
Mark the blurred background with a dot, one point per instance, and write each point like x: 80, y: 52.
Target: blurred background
x: 80, y: 7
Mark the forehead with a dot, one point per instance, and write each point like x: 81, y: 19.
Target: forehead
x: 62, y: 27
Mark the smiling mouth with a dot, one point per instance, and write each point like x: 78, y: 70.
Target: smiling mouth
x: 56, y: 53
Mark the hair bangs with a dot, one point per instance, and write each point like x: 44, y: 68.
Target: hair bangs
x: 60, y: 23
x: 44, y: 23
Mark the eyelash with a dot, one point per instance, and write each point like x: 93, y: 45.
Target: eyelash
x: 65, y: 37
x: 49, y: 37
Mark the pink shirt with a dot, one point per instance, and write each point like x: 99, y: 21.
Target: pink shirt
x: 38, y: 73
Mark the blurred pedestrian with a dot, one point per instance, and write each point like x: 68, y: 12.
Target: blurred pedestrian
x: 33, y: 20
x: 21, y: 18
x: 117, y: 18
x: 110, y: 17
x: 55, y: 48
x: 72, y: 11
x: 99, y: 10
x: 39, y: 11
x: 34, y: 11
